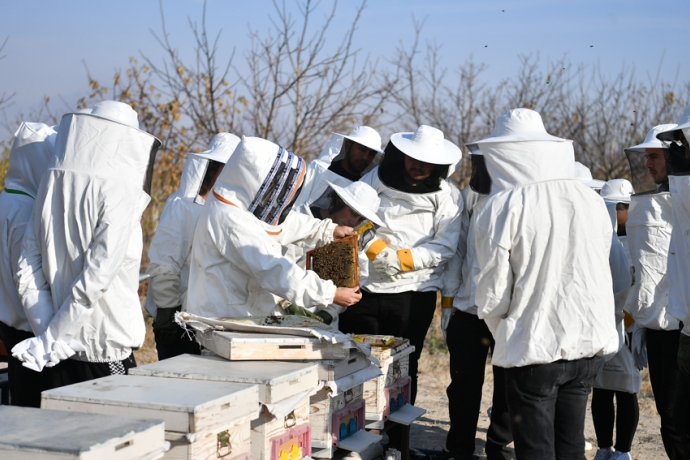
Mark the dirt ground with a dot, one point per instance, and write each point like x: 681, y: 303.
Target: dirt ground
x: 430, y: 430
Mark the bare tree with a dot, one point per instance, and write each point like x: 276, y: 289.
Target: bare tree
x: 5, y: 98
x: 463, y: 108
x: 297, y: 92
x: 201, y: 89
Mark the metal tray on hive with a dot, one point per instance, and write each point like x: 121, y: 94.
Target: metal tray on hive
x: 336, y: 261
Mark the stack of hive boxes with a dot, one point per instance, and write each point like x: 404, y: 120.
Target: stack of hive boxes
x: 203, y: 419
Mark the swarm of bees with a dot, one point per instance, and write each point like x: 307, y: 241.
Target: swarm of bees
x: 337, y: 262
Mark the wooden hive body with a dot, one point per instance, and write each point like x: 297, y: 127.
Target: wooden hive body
x: 271, y: 435
x: 333, y: 369
x: 29, y: 434
x: 276, y: 380
x: 394, y: 363
x: 202, y: 418
x: 242, y: 346
x: 337, y: 261
x: 328, y: 412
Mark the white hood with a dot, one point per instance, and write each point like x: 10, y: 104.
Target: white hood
x: 192, y: 176
x: 30, y: 156
x: 102, y: 147
x: 261, y: 177
x: 513, y: 164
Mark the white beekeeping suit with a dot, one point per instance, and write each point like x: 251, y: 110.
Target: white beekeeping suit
x: 30, y: 156
x: 458, y: 277
x: 83, y: 245
x: 679, y: 246
x: 318, y: 176
x: 171, y: 245
x: 422, y: 228
x: 237, y: 267
x: 649, y: 229
x: 525, y: 290
x: 619, y: 258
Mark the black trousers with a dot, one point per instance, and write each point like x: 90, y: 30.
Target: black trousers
x: 405, y: 314
x: 71, y: 371
x: 25, y: 385
x: 671, y: 389
x: 169, y: 347
x: 548, y: 403
x: 469, y: 341
x: 625, y: 417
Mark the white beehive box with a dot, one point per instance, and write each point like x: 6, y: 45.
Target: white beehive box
x: 282, y: 438
x: 393, y: 384
x: 277, y: 380
x: 337, y: 414
x: 242, y: 346
x: 203, y: 419
x: 334, y: 369
x: 29, y: 434
x: 327, y: 413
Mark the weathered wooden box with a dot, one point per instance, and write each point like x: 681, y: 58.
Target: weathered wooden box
x: 242, y: 346
x: 282, y: 438
x: 276, y: 380
x: 203, y: 420
x: 335, y: 417
x: 338, y: 414
x: 393, y: 385
x: 334, y: 369
x: 28, y: 434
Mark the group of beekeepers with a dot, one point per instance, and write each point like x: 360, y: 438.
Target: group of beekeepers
x: 571, y: 283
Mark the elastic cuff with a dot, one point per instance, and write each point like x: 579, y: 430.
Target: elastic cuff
x: 406, y: 260
x: 446, y: 302
x: 375, y: 249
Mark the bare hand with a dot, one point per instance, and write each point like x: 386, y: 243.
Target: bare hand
x: 341, y: 231
x: 346, y: 297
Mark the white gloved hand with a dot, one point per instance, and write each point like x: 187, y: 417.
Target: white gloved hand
x: 387, y: 263
x: 639, y: 347
x: 44, y: 351
x: 446, y: 315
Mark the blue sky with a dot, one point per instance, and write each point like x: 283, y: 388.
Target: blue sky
x: 50, y: 41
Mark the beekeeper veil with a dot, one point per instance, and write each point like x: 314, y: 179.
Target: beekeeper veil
x: 677, y: 140
x: 641, y: 178
x: 480, y: 181
x: 133, y: 139
x: 263, y: 178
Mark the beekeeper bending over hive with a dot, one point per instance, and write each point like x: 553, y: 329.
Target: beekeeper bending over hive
x: 544, y: 287
x: 82, y: 249
x: 237, y: 267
